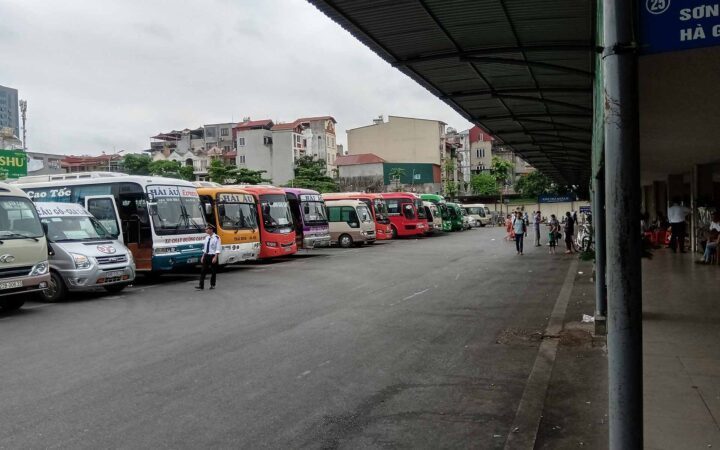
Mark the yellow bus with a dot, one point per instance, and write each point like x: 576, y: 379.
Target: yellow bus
x: 233, y: 213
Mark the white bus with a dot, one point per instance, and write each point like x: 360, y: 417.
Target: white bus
x: 159, y: 219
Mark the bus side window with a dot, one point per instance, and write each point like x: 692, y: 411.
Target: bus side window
x: 350, y: 216
x: 408, y: 211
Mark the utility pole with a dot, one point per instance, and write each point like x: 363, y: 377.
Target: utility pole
x: 23, y: 115
x: 624, y: 248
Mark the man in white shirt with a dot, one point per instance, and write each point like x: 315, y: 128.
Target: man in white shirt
x: 676, y: 217
x: 209, y: 259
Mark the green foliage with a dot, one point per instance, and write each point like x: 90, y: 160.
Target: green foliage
x: 311, y: 173
x: 534, y: 184
x: 135, y: 164
x: 500, y: 169
x: 484, y: 184
x: 171, y: 169
x: 222, y: 173
x: 396, y: 174
x: 451, y: 189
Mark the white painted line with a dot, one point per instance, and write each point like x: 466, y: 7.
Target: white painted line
x: 416, y: 294
x: 38, y: 306
x: 523, y: 431
x: 324, y: 363
x: 304, y: 374
x: 457, y: 277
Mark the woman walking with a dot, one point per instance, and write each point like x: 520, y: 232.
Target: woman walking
x: 508, y: 227
x: 554, y: 233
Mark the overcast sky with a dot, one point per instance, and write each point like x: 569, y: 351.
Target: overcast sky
x: 102, y: 74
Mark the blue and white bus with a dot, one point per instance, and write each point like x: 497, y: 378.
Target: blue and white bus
x: 159, y: 219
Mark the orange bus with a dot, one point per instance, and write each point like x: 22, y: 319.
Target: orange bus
x: 277, y: 232
x: 377, y: 205
x: 233, y: 212
x: 407, y: 214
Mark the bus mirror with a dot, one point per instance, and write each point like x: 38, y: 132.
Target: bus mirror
x: 208, y: 208
x: 306, y: 209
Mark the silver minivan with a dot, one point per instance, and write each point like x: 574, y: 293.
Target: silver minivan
x: 350, y: 223
x: 83, y: 254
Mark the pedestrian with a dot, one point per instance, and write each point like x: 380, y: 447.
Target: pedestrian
x: 508, y: 228
x: 209, y: 259
x: 538, y: 220
x: 520, y: 229
x: 676, y: 216
x: 554, y: 233
x: 569, y: 231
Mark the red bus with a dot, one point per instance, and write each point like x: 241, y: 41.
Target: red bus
x: 277, y: 232
x: 407, y: 214
x: 377, y: 205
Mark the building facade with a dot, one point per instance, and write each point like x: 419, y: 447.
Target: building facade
x: 371, y: 173
x: 9, y: 112
x: 45, y: 163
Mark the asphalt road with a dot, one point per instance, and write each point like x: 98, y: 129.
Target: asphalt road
x: 412, y: 344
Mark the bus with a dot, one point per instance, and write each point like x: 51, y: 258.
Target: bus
x: 233, y: 212
x: 311, y: 222
x: 407, y: 214
x: 439, y: 200
x: 377, y: 205
x: 350, y: 223
x: 455, y: 213
x: 159, y: 219
x: 277, y: 234
x: 24, y: 256
x: 434, y: 218
x: 477, y: 213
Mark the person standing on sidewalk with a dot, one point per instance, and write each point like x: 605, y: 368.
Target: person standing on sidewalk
x: 569, y: 231
x: 538, y: 219
x: 554, y: 233
x: 676, y: 216
x: 209, y: 259
x: 520, y: 228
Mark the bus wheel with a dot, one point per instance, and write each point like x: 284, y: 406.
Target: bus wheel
x: 345, y: 241
x: 115, y: 287
x: 393, y: 232
x: 56, y: 289
x: 12, y: 304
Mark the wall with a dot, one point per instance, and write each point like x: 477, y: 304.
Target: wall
x: 361, y: 177
x: 283, y: 163
x: 258, y: 156
x: 399, y: 140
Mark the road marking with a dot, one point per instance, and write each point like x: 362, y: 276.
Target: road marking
x: 38, y: 306
x: 304, y: 374
x: 324, y: 363
x: 457, y: 277
x: 411, y: 296
x: 523, y: 431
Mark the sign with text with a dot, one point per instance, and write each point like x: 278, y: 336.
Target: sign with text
x: 13, y: 163
x: 673, y: 25
x: 547, y: 198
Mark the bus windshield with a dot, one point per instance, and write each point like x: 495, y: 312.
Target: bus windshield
x: 75, y: 228
x: 364, y: 214
x: 314, y: 213
x: 381, y: 211
x: 236, y: 216
x: 420, y: 209
x: 173, y: 213
x: 276, y: 213
x: 18, y: 219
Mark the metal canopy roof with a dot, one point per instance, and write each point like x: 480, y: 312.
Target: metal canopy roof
x: 521, y: 69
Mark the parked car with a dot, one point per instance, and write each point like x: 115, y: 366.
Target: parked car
x: 83, y: 254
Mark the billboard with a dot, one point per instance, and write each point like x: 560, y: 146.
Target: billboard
x: 13, y: 163
x: 672, y: 25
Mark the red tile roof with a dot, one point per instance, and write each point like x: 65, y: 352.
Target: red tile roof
x: 247, y: 125
x: 363, y: 158
x: 285, y: 126
x: 313, y: 119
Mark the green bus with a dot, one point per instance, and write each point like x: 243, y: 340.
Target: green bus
x: 439, y: 200
x: 455, y: 215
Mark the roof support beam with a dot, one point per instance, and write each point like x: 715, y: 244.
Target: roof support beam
x: 521, y: 117
x: 548, y: 90
x: 519, y: 62
x: 559, y: 129
x: 569, y: 47
x: 542, y: 100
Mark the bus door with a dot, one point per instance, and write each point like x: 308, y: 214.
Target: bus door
x: 105, y: 210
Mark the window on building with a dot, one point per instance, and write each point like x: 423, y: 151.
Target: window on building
x: 210, y: 132
x: 224, y: 131
x: 242, y: 159
x: 241, y: 142
x: 226, y: 148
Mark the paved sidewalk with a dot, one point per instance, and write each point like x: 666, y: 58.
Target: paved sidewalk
x: 681, y: 331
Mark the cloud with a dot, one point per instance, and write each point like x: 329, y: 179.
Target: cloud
x: 99, y: 75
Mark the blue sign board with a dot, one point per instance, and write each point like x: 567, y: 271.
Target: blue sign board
x: 585, y: 209
x: 547, y: 198
x: 672, y: 25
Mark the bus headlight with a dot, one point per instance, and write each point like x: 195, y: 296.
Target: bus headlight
x: 81, y: 261
x: 40, y: 268
x: 271, y: 244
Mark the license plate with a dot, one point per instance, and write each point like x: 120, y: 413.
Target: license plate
x: 114, y: 274
x: 288, y: 249
x: 193, y: 260
x: 11, y: 284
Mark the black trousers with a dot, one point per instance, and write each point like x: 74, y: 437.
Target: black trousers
x: 519, y: 238
x: 677, y: 236
x: 208, y: 264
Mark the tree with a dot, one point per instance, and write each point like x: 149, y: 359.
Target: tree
x: 135, y: 164
x: 222, y: 173
x: 451, y: 189
x: 535, y: 184
x: 484, y: 184
x: 171, y: 169
x: 396, y: 174
x: 311, y: 173
x: 500, y: 169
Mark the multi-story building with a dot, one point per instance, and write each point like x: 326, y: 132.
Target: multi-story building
x: 480, y: 150
x: 46, y: 163
x: 9, y: 113
x: 219, y: 138
x: 320, y: 139
x: 85, y: 163
x: 254, y: 143
x: 370, y: 173
x: 186, y: 147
